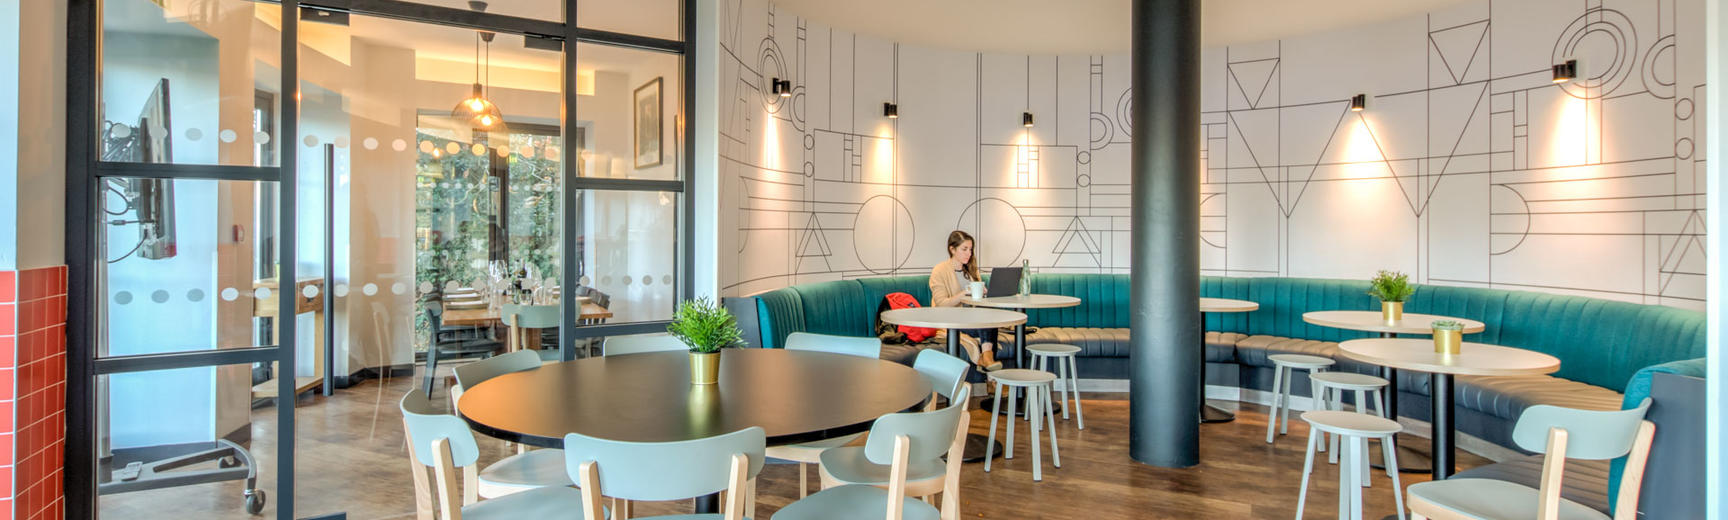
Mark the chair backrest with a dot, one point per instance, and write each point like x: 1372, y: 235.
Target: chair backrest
x: 846, y: 345
x: 659, y: 471
x: 1591, y: 434
x: 621, y: 345
x: 931, y: 432
x: 944, y: 372
x: 530, y: 316
x: 479, y: 371
x: 426, y: 425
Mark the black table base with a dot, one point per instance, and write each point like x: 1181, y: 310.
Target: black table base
x: 1211, y: 414
x: 976, y: 446
x: 708, y: 504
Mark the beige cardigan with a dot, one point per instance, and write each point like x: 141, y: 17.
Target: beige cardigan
x: 943, y: 286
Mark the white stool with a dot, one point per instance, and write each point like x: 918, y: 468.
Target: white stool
x: 1284, y: 370
x: 1065, y: 371
x: 1037, y: 384
x: 1356, y: 429
x: 1329, y: 387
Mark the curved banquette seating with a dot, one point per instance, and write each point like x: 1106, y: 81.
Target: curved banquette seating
x: 1602, y: 344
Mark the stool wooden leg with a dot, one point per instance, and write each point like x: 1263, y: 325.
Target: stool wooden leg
x: 990, y: 443
x: 1289, y: 376
x: 1333, y: 403
x: 1079, y: 414
x: 1272, y: 417
x: 803, y: 480
x: 1066, y: 376
x: 1391, y: 455
x: 1355, y: 472
x: 1307, y: 468
x: 1032, y: 410
x: 1013, y: 404
x: 1050, y: 418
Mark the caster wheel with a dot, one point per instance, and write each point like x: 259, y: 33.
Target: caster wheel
x: 227, y: 462
x: 255, y: 502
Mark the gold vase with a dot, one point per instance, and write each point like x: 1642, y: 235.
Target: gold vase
x: 1448, y: 342
x: 1392, y: 312
x: 704, y: 368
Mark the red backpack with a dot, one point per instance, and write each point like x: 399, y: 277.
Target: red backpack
x: 902, y: 300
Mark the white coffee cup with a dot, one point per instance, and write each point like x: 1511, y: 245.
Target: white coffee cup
x: 977, y: 290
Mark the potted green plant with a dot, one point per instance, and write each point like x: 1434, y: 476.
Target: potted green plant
x: 1392, y: 288
x: 1448, y: 336
x: 705, y: 327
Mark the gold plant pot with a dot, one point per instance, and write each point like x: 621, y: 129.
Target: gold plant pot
x: 1392, y: 312
x: 704, y: 368
x: 1448, y: 342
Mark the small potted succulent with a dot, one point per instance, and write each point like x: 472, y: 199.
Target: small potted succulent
x: 1448, y: 337
x: 1392, y: 288
x: 706, y: 328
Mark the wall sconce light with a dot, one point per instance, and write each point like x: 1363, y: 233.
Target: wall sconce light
x: 781, y: 87
x: 1565, y: 72
x: 891, y: 111
x: 1026, y: 119
x: 1359, y: 103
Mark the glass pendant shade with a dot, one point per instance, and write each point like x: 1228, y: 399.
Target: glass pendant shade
x: 478, y: 111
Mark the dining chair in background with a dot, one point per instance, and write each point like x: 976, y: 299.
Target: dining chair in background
x: 1558, y: 433
x: 520, y: 318
x: 901, y: 460
x: 442, y: 345
x: 441, y: 443
x: 621, y: 345
x: 663, y: 471
x: 811, y: 452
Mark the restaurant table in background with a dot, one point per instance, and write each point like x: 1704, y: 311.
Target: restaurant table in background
x: 490, y: 315
x: 1209, y: 413
x: 1374, y: 321
x: 955, y: 319
x: 1023, y: 302
x: 1473, y: 359
x: 795, y: 396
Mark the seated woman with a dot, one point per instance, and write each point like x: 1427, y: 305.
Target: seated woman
x: 948, y: 285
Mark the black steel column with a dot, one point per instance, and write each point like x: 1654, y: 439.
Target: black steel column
x: 1444, y: 436
x: 1165, y: 324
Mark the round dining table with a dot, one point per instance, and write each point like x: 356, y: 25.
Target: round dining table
x: 1208, y: 412
x: 1472, y: 359
x: 796, y: 396
x: 955, y: 319
x: 1374, y: 321
x: 1021, y: 302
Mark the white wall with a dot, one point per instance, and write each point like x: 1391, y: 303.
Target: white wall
x: 1470, y: 167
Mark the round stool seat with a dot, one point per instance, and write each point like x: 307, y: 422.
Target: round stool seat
x: 1020, y: 377
x: 1348, y: 380
x: 1053, y: 349
x: 1300, y: 361
x: 1351, y: 423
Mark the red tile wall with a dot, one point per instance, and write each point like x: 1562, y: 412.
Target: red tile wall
x: 32, y: 392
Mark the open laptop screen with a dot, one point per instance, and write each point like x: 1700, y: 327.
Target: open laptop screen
x: 1004, y: 281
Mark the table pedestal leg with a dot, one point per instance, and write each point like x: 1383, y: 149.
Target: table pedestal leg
x: 1409, y: 460
x: 975, y: 443
x: 1444, y: 434
x: 708, y: 504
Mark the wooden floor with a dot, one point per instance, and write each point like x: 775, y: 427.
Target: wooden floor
x: 351, y: 459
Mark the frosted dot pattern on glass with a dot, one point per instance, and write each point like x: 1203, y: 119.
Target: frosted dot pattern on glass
x: 666, y: 279
x: 399, y: 145
x: 369, y: 289
x: 341, y: 141
x: 647, y: 279
x: 452, y: 148
x: 261, y: 293
x: 341, y: 290
x: 194, y: 134
x: 426, y: 147
x: 159, y: 296
x: 311, y: 141
x: 195, y: 295
x: 310, y: 291
x: 260, y: 138
x: 479, y: 150
x: 369, y: 143
x: 425, y: 287
x: 123, y: 297
x: 452, y: 285
x: 227, y: 136
x: 230, y: 294
x: 398, y: 288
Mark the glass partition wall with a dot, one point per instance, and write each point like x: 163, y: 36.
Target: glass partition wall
x: 434, y: 161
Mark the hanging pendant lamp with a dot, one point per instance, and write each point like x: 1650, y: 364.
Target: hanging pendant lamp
x: 477, y: 109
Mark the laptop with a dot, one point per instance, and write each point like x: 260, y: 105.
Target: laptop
x: 1004, y: 281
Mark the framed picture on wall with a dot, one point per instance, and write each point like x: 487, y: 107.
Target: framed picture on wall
x: 648, y: 124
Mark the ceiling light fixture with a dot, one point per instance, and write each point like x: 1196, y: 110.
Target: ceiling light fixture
x: 1026, y: 119
x: 892, y: 111
x: 479, y: 111
x: 1565, y: 72
x: 1359, y: 103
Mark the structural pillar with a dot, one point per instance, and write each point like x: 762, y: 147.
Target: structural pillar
x: 1165, y: 324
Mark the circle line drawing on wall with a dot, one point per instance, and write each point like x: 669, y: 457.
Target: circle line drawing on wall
x: 883, y: 223
x: 1006, y: 232
x: 1595, y: 24
x: 1658, y: 68
x: 1509, y: 223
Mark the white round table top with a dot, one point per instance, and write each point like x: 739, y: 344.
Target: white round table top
x: 1370, y: 321
x: 954, y: 317
x: 1024, y: 301
x: 1227, y: 305
x: 1472, y: 359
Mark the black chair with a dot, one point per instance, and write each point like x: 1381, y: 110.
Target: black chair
x: 442, y: 345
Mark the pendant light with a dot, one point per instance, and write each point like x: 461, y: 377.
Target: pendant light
x: 479, y: 111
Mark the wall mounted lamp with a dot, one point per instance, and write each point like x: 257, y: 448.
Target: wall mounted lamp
x: 1026, y: 119
x: 781, y: 87
x: 1565, y: 72
x: 891, y: 111
x: 1359, y: 103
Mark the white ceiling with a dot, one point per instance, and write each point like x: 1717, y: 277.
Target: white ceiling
x: 1085, y: 26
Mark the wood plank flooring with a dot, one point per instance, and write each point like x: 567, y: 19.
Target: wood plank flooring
x: 350, y: 458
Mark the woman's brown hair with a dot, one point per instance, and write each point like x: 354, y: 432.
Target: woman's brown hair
x: 971, y: 268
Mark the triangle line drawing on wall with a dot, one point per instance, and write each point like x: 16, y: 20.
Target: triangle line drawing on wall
x: 1684, y: 245
x: 1342, y: 114
x: 1254, y: 76
x: 1457, y: 37
x: 1381, y: 150
x: 812, y: 242
x: 1434, y: 186
x: 1076, y: 239
x: 1257, y: 166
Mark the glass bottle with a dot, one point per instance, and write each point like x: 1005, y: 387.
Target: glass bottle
x: 1025, y: 277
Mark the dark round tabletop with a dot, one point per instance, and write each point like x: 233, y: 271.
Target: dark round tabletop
x: 795, y: 396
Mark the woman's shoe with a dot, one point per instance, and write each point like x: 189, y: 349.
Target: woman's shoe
x: 991, y: 368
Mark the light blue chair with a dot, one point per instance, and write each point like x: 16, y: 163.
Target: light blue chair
x: 811, y: 452
x: 661, y: 471
x: 622, y: 345
x: 900, y: 461
x: 1560, y: 433
x: 519, y: 317
x: 443, y: 444
x: 528, y: 469
x: 945, y: 373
